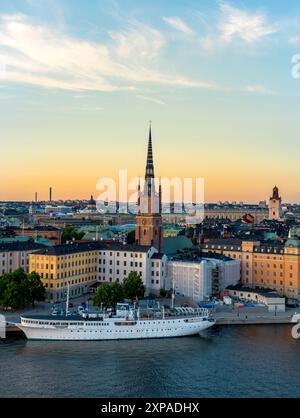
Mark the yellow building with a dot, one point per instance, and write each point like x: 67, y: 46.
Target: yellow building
x: 75, y: 265
x: 264, y: 265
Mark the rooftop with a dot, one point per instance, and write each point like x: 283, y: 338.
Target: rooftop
x: 225, y: 241
x: 157, y: 256
x: 79, y: 247
x: 189, y: 258
x: 38, y: 228
x: 264, y: 292
x: 21, y: 246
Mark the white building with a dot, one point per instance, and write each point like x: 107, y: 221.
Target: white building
x: 191, y: 279
x: 15, y: 255
x: 116, y: 261
x: 159, y: 270
x: 270, y: 298
x: 201, y: 279
x: 55, y: 210
x: 228, y: 271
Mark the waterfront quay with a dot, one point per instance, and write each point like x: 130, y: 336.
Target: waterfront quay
x: 227, y: 315
x: 223, y: 315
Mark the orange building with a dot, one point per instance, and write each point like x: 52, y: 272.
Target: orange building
x: 264, y: 265
x: 74, y: 265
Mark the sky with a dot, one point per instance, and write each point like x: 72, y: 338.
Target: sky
x: 79, y: 82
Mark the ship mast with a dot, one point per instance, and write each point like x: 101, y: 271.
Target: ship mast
x: 67, y: 301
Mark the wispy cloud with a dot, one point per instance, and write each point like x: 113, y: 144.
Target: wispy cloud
x: 260, y: 90
x: 232, y: 25
x: 48, y: 57
x: 151, y: 99
x: 178, y: 24
x: 249, y: 27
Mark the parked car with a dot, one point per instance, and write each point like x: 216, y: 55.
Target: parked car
x: 292, y: 305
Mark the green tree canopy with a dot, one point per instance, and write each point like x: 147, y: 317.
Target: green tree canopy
x: 19, y: 289
x: 133, y: 286
x: 37, y: 291
x: 130, y: 237
x: 103, y: 296
x: 70, y: 233
x: 117, y: 293
x: 163, y: 293
x: 109, y: 294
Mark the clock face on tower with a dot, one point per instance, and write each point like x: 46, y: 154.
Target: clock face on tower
x: 144, y: 221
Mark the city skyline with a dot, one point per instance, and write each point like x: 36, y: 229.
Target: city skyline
x: 214, y: 78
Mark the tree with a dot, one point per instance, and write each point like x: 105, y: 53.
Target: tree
x: 163, y: 293
x: 103, y: 296
x: 69, y: 233
x: 37, y: 291
x: 133, y: 286
x: 130, y: 237
x: 19, y: 289
x: 109, y: 294
x: 117, y: 293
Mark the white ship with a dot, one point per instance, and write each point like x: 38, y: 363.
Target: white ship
x: 128, y: 323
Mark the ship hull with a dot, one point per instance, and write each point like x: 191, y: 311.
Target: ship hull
x: 91, y: 331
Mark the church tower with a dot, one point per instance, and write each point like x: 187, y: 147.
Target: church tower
x: 149, y: 221
x: 275, y: 211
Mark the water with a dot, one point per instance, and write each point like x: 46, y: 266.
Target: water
x: 239, y: 361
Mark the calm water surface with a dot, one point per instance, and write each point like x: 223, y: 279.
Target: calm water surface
x: 242, y: 361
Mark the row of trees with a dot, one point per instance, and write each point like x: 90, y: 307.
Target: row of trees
x: 19, y: 289
x: 109, y: 294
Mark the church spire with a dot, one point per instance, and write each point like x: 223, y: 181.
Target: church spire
x: 150, y: 166
x: 148, y: 230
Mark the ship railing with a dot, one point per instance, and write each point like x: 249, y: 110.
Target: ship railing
x: 191, y: 311
x: 175, y: 313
